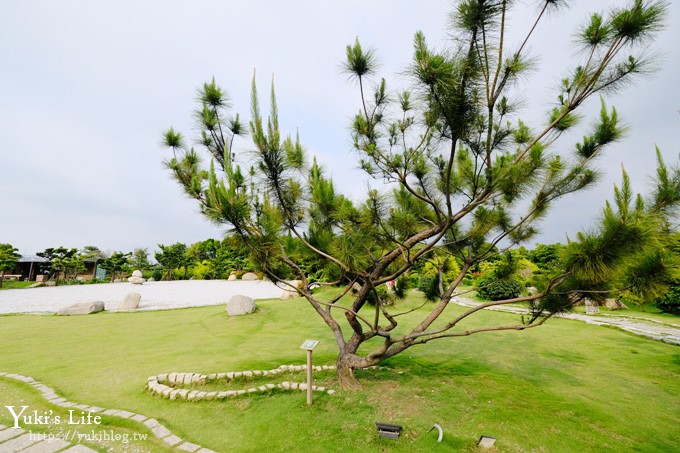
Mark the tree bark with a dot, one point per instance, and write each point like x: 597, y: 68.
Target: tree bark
x: 347, y: 362
x: 345, y: 369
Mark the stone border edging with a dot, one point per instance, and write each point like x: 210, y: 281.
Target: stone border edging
x: 158, y: 384
x: 158, y: 430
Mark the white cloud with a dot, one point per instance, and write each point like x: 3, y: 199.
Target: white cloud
x: 87, y: 88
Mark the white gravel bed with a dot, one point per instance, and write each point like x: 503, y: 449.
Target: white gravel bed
x: 155, y: 295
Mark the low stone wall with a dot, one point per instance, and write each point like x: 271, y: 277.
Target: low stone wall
x: 167, y: 385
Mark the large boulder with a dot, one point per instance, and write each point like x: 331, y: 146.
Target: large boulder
x: 232, y: 277
x: 240, y: 305
x: 130, y: 302
x: 249, y: 276
x: 85, y: 308
x: 288, y: 292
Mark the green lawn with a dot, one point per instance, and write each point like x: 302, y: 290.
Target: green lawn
x: 12, y: 284
x: 566, y: 386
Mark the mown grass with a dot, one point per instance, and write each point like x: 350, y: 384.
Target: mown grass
x: 107, y: 433
x: 565, y: 386
x: 13, y: 284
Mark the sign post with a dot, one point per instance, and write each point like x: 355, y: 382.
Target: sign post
x: 309, y: 346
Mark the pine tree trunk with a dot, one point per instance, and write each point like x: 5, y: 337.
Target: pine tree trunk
x: 347, y: 362
x: 345, y: 369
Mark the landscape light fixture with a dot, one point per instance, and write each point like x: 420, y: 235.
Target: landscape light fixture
x: 486, y: 441
x: 388, y: 431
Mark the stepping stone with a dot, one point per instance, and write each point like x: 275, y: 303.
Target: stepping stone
x: 188, y: 446
x: 79, y: 449
x: 10, y: 433
x: 161, y: 431
x: 172, y: 440
x: 151, y: 423
x: 46, y: 446
x: 19, y: 443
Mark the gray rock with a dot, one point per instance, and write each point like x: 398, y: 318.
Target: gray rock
x: 249, y: 276
x: 287, y: 295
x: 591, y: 307
x: 130, y: 302
x: 614, y: 304
x: 137, y: 273
x: 151, y: 279
x: 232, y: 277
x: 240, y: 305
x: 84, y: 308
x: 288, y: 292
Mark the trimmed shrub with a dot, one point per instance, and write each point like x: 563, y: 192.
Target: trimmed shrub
x: 492, y: 288
x: 157, y: 275
x: 670, y: 302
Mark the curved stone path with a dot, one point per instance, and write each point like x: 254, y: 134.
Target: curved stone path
x: 168, y: 385
x: 648, y: 328
x: 14, y: 440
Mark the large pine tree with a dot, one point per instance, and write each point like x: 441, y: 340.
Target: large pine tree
x: 467, y: 177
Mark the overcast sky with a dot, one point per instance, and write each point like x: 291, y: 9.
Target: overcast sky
x: 86, y: 88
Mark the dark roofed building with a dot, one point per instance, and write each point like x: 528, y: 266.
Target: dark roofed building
x: 28, y: 267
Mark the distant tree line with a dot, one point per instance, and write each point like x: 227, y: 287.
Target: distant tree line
x: 505, y: 274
